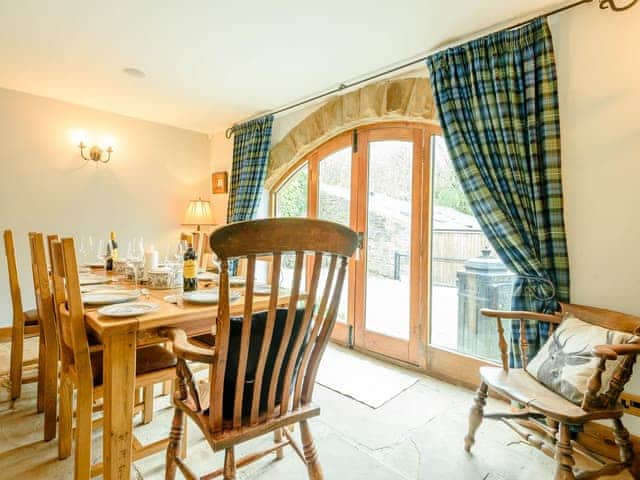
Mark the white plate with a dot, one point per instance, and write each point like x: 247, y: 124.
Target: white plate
x: 261, y: 289
x: 209, y: 297
x: 92, y: 279
x: 94, y: 264
x: 210, y: 276
x: 237, y: 281
x: 129, y: 309
x: 97, y: 298
x: 172, y: 298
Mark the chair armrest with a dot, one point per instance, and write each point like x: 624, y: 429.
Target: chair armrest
x: 521, y: 315
x: 187, y: 350
x: 611, y: 352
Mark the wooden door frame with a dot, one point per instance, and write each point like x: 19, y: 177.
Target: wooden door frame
x: 438, y: 362
x: 405, y: 350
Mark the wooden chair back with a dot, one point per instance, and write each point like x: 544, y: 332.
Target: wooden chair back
x: 42, y: 289
x: 68, y: 304
x: 14, y: 282
x: 604, y: 318
x: 303, y: 326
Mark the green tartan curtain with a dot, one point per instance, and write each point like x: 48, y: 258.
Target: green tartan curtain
x: 498, y: 105
x: 249, y: 169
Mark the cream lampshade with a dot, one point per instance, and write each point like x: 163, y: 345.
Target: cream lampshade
x: 198, y: 213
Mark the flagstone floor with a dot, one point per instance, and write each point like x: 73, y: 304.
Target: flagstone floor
x: 416, y: 435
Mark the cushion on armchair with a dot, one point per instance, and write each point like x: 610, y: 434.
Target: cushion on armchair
x: 565, y: 363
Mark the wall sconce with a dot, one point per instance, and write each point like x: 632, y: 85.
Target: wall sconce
x: 96, y: 153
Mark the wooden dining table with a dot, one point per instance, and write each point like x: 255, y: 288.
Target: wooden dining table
x: 120, y: 337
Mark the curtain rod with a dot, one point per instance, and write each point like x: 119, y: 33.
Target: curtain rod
x: 604, y: 4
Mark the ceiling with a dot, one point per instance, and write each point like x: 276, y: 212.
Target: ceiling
x: 210, y: 63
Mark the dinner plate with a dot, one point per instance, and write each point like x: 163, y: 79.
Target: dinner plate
x: 92, y: 279
x: 93, y: 264
x: 210, y: 297
x: 237, y: 281
x: 129, y: 309
x: 109, y: 298
x: 261, y: 289
x: 208, y: 276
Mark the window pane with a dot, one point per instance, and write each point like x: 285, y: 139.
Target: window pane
x: 466, y: 274
x: 334, y: 203
x: 291, y: 198
x: 389, y: 238
x: 291, y: 201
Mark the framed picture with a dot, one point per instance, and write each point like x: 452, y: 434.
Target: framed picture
x: 219, y: 182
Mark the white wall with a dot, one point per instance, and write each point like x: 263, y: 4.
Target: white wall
x: 598, y: 64
x: 45, y: 185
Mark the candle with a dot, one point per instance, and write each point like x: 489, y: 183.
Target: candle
x: 151, y: 259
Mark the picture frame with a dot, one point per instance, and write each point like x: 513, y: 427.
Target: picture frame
x: 219, y: 182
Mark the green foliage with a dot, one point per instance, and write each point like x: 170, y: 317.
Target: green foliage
x: 449, y: 194
x: 291, y: 199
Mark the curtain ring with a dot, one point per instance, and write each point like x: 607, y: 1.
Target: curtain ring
x: 228, y: 133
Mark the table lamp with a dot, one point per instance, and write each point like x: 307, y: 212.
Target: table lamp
x: 198, y: 213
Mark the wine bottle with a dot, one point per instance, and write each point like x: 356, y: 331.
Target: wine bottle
x: 114, y: 246
x: 112, y: 252
x: 190, y: 270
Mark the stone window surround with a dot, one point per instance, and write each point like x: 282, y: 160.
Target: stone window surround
x: 405, y: 99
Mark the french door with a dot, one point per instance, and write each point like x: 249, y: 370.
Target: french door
x: 415, y: 289
x: 373, y: 180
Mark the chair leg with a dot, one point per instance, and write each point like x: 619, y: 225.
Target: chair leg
x: 564, y: 455
x: 42, y: 348
x: 310, y: 453
x: 626, y: 447
x: 84, y: 424
x: 173, y: 448
x: 277, y: 438
x: 15, y: 368
x: 50, y: 387
x: 229, y: 464
x: 66, y: 418
x: 476, y: 415
x: 147, y: 404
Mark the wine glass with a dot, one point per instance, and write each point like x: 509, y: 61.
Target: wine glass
x: 101, y: 252
x: 137, y: 249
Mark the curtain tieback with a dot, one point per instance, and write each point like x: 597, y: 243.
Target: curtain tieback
x: 535, y: 291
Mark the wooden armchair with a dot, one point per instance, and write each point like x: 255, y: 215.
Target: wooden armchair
x: 553, y: 438
x: 263, y: 366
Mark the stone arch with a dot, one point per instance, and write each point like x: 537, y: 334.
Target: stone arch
x: 405, y: 99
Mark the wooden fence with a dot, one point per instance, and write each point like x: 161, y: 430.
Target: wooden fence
x: 450, y: 250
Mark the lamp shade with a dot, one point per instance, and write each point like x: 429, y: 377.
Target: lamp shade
x: 198, y: 213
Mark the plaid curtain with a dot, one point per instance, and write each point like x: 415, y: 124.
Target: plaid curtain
x: 249, y: 169
x: 498, y: 105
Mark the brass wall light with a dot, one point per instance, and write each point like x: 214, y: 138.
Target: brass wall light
x: 96, y: 153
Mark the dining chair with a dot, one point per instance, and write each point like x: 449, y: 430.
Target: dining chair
x: 48, y: 370
x: 25, y: 324
x: 263, y: 366
x: 81, y: 366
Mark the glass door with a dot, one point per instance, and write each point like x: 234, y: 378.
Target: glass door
x: 330, y: 198
x: 466, y: 276
x: 388, y: 317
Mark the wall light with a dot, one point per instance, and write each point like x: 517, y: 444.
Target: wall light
x: 98, y: 152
